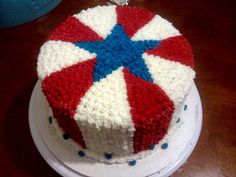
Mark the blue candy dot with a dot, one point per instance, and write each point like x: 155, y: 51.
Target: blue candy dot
x: 108, y: 156
x: 185, y: 107
x: 81, y: 153
x: 164, y: 146
x: 177, y: 121
x: 50, y: 119
x: 151, y: 146
x: 132, y: 162
x: 66, y: 136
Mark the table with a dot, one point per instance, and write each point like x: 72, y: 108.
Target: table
x: 210, y: 28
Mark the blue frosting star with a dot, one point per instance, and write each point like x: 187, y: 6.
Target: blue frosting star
x: 118, y: 50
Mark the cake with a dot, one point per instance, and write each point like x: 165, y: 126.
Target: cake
x: 115, y: 78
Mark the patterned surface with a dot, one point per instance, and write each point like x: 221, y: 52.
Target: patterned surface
x: 140, y: 44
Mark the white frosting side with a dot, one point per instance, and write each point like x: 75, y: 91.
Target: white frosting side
x: 75, y: 147
x: 173, y: 77
x: 100, y: 19
x: 56, y: 55
x: 157, y: 29
x: 104, y: 118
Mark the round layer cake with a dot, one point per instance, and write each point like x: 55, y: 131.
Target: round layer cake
x: 116, y: 79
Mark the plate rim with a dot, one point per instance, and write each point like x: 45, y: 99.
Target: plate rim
x: 64, y: 170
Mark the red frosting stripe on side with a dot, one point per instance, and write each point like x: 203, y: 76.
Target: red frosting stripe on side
x: 72, y: 30
x: 132, y: 19
x: 69, y: 125
x: 174, y: 49
x: 151, y: 111
x: 64, y: 90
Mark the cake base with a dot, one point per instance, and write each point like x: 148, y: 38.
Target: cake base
x: 162, y: 162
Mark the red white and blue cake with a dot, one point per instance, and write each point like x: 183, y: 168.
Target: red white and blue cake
x: 116, y: 79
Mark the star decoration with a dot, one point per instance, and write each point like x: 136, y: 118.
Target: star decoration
x: 118, y: 50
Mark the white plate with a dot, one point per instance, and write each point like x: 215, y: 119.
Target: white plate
x: 159, y: 164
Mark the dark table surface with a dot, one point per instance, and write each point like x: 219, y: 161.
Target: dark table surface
x: 210, y: 27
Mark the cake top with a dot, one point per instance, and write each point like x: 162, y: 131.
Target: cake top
x: 116, y: 67
x: 134, y: 27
